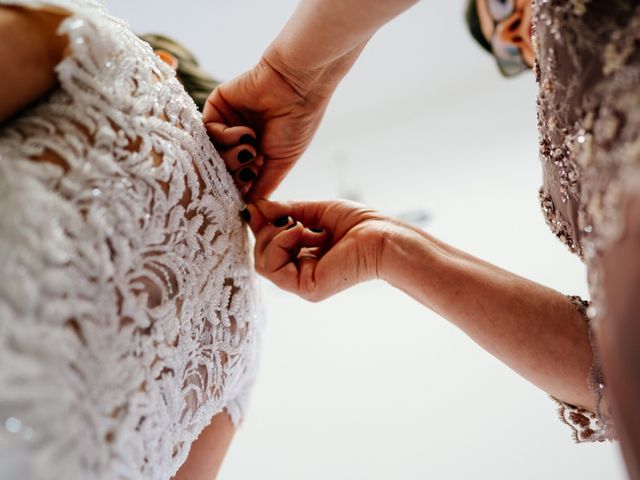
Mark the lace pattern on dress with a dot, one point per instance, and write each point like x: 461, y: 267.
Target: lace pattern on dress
x: 128, y: 310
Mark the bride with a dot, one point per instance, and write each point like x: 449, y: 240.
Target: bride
x: 129, y: 321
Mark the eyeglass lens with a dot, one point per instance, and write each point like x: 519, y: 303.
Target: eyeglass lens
x: 508, y: 55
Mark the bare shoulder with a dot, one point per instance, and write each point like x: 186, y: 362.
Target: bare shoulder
x: 30, y: 48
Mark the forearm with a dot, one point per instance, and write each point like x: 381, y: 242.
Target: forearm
x: 29, y: 51
x: 323, y: 38
x: 533, y: 329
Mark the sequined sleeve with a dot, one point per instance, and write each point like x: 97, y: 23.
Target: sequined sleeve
x: 588, y: 70
x: 587, y: 426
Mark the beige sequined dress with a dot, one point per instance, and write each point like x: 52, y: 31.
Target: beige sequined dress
x: 588, y: 70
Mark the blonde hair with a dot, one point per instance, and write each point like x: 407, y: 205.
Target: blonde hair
x: 198, y: 83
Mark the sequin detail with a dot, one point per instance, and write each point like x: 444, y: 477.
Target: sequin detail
x: 559, y: 226
x: 586, y: 426
x: 588, y: 71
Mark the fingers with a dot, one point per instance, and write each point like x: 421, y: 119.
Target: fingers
x: 238, y: 157
x: 280, y: 242
x: 243, y: 165
x: 245, y: 177
x: 298, y: 245
x: 235, y: 141
x: 217, y: 109
x: 272, y: 210
x: 314, y: 239
x: 269, y: 231
x: 257, y: 221
x: 279, y: 250
x: 308, y: 212
x: 224, y: 136
x: 254, y: 217
x: 290, y: 263
x: 312, y: 214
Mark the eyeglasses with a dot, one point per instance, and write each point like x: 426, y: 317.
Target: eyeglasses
x: 509, y: 56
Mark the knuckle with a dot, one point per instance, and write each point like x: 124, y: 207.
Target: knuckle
x: 260, y: 269
x: 311, y: 291
x: 312, y: 297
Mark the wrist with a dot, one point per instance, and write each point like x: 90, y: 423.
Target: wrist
x: 406, y: 251
x: 315, y: 82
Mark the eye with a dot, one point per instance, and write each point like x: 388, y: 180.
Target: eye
x: 501, y: 9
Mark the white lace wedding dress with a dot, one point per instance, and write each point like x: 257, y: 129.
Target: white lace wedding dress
x: 128, y: 311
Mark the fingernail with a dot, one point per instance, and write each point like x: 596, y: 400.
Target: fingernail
x: 246, y: 175
x: 248, y: 139
x: 281, y: 222
x: 317, y: 230
x: 291, y: 226
x: 245, y: 214
x: 245, y: 156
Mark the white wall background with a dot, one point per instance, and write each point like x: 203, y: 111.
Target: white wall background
x: 369, y: 384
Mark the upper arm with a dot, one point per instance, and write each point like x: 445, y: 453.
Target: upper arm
x: 30, y: 48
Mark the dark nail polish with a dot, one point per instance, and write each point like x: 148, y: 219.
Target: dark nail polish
x: 248, y: 139
x: 245, y: 214
x: 246, y: 175
x: 317, y: 230
x: 281, y: 222
x: 245, y: 156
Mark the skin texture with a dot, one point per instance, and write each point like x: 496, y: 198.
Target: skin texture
x: 284, y: 97
x: 539, y: 334
x: 534, y: 330
x: 208, y: 451
x: 31, y: 49
x: 515, y: 30
x: 529, y: 327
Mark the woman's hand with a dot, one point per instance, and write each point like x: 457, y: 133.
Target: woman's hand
x: 317, y: 249
x: 283, y: 98
x: 283, y: 114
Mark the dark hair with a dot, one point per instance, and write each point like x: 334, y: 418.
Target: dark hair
x: 473, y: 23
x: 196, y: 81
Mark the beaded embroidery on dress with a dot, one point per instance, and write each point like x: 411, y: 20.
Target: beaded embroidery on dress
x: 128, y: 306
x: 588, y: 70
